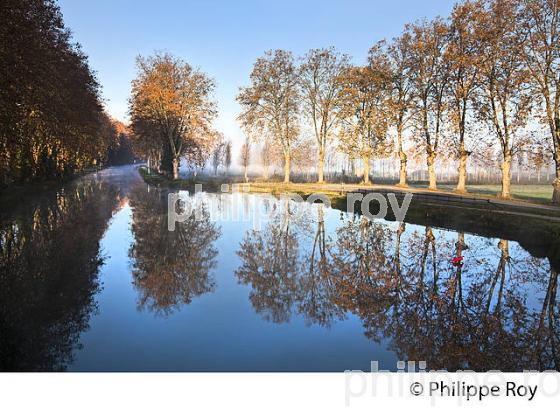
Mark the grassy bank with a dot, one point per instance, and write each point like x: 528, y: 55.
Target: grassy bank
x: 527, y: 200
x: 534, y: 194
x: 539, y: 194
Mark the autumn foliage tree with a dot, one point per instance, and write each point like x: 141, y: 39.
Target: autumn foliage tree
x: 172, y: 112
x: 399, y: 53
x: 539, y: 23
x: 504, y: 79
x: 321, y: 90
x: 464, y: 58
x: 365, y: 109
x: 120, y: 150
x: 270, y: 105
x: 430, y: 76
x: 52, y: 123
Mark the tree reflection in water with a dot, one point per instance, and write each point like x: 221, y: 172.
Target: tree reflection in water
x: 284, y: 273
x: 270, y: 263
x: 170, y: 268
x: 478, y: 315
x: 455, y: 301
x: 49, y: 263
x: 316, y: 285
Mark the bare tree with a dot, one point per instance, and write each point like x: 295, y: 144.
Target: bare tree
x: 245, y: 157
x: 319, y: 75
x: 539, y: 22
x: 218, y: 156
x: 504, y: 79
x: 399, y: 54
x: 430, y: 75
x: 271, y: 103
x: 365, y: 109
x: 227, y: 155
x: 464, y: 56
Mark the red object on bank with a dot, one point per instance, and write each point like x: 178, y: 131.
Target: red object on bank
x: 457, y: 260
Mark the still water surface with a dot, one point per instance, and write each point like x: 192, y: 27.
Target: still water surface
x: 91, y: 279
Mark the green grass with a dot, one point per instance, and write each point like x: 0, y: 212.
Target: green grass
x: 538, y: 194
x: 541, y: 194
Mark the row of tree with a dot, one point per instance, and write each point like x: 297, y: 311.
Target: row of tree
x: 52, y: 122
x: 488, y: 75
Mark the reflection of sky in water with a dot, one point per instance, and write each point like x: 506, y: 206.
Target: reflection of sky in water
x: 244, y: 299
x: 253, y: 211
x: 220, y: 330
x: 217, y: 331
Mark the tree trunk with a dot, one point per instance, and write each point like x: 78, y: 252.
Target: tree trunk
x: 320, y: 170
x: 246, y: 177
x: 556, y: 182
x: 463, y: 155
x: 366, y: 169
x: 265, y: 172
x: 402, y: 173
x: 506, y: 177
x: 287, y: 168
x: 431, y: 159
x: 175, y: 163
x: 556, y: 187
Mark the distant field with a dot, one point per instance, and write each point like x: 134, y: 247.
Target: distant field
x: 533, y: 193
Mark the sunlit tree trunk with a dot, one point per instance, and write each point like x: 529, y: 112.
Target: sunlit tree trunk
x: 403, y: 159
x: 430, y: 161
x: 463, y: 156
x: 320, y: 170
x: 506, y: 177
x: 365, y: 159
x: 287, y: 160
x: 556, y: 182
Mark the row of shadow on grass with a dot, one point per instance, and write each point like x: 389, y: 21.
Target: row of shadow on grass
x: 408, y: 282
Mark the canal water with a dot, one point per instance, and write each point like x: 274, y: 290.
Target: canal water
x: 92, y: 279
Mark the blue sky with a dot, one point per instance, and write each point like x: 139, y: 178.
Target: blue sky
x: 223, y: 38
